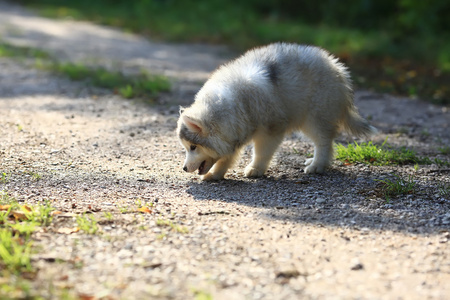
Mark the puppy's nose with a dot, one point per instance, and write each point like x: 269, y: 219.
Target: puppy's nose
x: 185, y: 168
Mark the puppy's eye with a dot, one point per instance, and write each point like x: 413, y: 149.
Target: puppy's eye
x: 193, y: 147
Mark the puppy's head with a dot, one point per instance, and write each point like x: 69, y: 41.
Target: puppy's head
x: 194, y: 137
x: 197, y: 158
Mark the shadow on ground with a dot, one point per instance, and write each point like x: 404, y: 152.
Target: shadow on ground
x: 338, y: 199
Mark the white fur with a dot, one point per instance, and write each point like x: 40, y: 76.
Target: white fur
x: 260, y: 97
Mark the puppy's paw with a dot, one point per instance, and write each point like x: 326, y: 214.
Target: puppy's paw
x: 253, y: 172
x: 309, y: 161
x: 211, y: 177
x: 315, y: 168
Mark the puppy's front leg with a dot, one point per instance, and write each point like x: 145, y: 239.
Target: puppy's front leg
x: 265, y: 146
x: 219, y: 169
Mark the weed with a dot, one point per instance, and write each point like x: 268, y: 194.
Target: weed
x: 23, y: 228
x: 444, y: 150
x: 139, y: 203
x: 19, y: 127
x: 124, y: 209
x: 127, y: 91
x: 5, y: 198
x: 141, y: 85
x: 14, y: 287
x: 41, y: 215
x: 425, y: 133
x: 161, y: 236
x: 37, y: 216
x: 400, y: 186
x: 308, y: 154
x: 15, y: 252
x: 88, y: 224
x: 34, y: 176
x: 375, y: 155
x: 7, y: 204
x: 4, y: 178
x: 444, y: 189
x: 201, y: 295
x: 402, y: 130
x: 4, y: 215
x: 108, y: 215
x: 142, y: 227
x: 369, y: 153
x: 7, y: 50
x: 436, y: 161
x: 16, y: 246
x: 174, y: 227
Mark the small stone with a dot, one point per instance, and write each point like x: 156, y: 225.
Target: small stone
x: 356, y: 265
x: 320, y: 200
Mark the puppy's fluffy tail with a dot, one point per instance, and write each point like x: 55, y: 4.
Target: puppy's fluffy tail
x: 357, y: 125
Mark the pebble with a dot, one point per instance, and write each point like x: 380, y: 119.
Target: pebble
x: 320, y: 200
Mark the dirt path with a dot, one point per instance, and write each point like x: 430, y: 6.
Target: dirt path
x: 286, y: 236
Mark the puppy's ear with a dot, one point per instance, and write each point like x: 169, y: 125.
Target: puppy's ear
x: 194, y: 125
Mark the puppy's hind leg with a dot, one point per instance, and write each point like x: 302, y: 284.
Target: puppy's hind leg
x: 323, y: 150
x: 265, y: 146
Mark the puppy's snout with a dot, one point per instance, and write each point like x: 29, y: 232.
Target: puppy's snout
x: 185, y: 168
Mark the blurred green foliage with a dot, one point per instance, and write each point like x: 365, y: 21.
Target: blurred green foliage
x: 399, y: 17
x: 400, y: 47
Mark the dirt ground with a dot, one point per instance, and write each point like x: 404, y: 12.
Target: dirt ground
x: 285, y: 236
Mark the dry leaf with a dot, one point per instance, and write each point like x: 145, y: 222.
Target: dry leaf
x: 19, y: 215
x: 56, y: 212
x: 27, y: 208
x: 5, y: 207
x: 85, y: 297
x: 66, y: 230
x: 144, y: 209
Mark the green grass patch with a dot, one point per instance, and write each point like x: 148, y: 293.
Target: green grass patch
x: 41, y: 214
x: 142, y: 85
x: 88, y: 224
x: 372, y: 154
x: 15, y: 252
x: 17, y: 224
x: 399, y: 186
x: 108, y: 216
x: 35, y: 176
x: 174, y: 227
x: 444, y: 150
x: 7, y: 50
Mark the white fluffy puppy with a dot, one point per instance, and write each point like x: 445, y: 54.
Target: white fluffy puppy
x: 259, y: 98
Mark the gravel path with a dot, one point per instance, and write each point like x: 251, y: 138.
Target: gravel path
x: 286, y: 236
